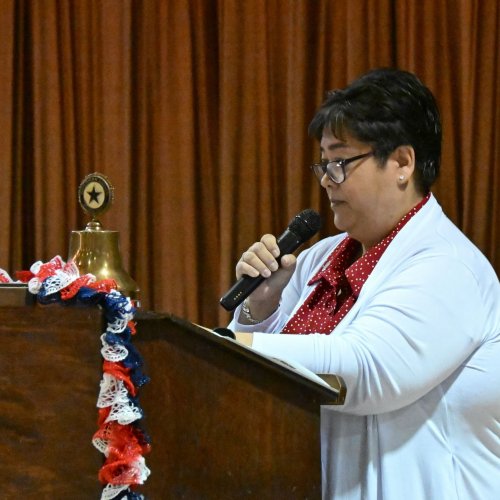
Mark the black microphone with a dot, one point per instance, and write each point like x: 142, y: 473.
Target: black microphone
x: 302, y: 227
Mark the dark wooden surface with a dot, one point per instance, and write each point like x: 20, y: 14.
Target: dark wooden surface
x: 223, y: 424
x: 49, y: 382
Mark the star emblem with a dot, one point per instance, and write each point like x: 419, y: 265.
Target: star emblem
x: 94, y: 195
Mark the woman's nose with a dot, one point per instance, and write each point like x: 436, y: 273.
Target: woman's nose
x: 326, y: 181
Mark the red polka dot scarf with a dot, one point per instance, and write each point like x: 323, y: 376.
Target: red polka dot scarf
x: 339, y: 283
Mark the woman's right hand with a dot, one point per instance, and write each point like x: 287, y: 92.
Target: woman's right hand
x: 260, y: 259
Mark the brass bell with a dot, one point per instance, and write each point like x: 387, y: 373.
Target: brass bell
x: 95, y: 250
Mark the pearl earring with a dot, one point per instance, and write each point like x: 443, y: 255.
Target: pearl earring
x: 401, y: 177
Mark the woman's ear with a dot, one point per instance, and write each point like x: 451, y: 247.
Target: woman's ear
x: 404, y: 158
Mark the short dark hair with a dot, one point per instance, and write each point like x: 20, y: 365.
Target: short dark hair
x: 387, y: 108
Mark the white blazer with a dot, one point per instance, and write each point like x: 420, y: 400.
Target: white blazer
x: 420, y: 355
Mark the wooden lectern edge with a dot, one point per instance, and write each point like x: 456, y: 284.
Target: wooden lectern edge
x: 17, y: 295
x: 335, y: 395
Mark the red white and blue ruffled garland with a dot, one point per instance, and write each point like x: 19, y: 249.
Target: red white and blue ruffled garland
x: 119, y: 436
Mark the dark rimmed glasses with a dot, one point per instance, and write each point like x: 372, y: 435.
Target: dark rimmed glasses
x: 335, y: 169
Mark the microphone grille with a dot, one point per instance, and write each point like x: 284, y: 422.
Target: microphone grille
x: 306, y: 224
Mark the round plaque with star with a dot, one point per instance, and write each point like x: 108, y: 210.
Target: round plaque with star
x: 95, y: 194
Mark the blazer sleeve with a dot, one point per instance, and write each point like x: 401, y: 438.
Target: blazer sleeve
x: 413, y: 333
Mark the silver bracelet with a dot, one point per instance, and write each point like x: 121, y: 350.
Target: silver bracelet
x: 245, y: 311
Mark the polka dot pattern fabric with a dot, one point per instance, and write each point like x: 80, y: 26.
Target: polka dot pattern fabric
x: 339, y: 283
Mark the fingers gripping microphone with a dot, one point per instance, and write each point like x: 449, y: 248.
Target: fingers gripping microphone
x: 302, y: 227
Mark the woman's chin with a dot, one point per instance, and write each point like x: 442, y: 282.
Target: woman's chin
x: 340, y: 224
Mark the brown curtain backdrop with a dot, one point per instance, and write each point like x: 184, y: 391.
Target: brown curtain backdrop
x: 197, y: 112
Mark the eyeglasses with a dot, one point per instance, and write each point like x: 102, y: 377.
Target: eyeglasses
x: 335, y: 169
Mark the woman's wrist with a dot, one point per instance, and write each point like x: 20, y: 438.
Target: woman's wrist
x: 253, y: 313
x: 246, y: 317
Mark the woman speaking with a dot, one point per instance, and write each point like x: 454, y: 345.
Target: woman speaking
x: 401, y: 305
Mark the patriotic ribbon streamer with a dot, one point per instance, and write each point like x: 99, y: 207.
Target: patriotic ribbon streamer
x: 119, y: 437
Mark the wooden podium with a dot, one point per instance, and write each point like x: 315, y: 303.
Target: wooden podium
x: 225, y: 422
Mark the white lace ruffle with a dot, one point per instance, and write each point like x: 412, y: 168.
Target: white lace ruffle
x: 113, y: 353
x: 64, y: 275
x: 114, y: 394
x: 142, y: 469
x: 34, y: 285
x: 121, y: 322
x: 60, y: 280
x: 118, y: 325
x: 112, y: 391
x: 124, y: 413
x: 100, y: 445
x: 112, y: 491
